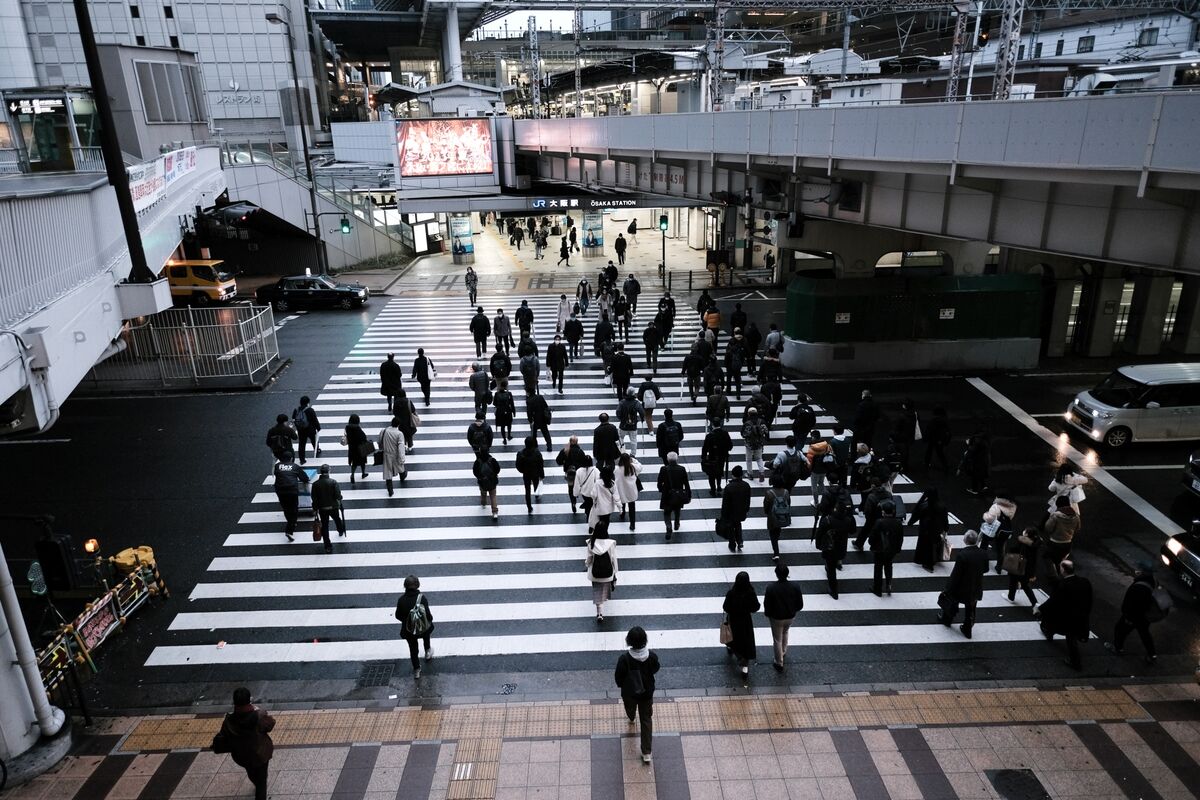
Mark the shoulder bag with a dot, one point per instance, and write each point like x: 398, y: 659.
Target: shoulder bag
x: 726, y: 631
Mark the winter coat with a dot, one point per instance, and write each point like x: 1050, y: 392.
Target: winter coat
x: 524, y: 318
x: 1067, y: 488
x: 563, y: 314
x: 390, y: 377
x: 932, y: 520
x: 537, y: 410
x: 557, y: 357
x: 887, y: 537
x: 585, y: 482
x: 626, y: 485
x: 622, y: 368
x: 573, y: 330
x: 735, y: 501
x: 1139, y: 599
x: 740, y: 606
x: 247, y: 729
x: 489, y: 483
x: 530, y: 463
x: 505, y: 407
x: 1062, y: 525
x: 714, y: 454
x: 479, y: 436
x: 423, y: 369
x: 325, y: 493
x: 500, y: 366
x: 1029, y: 551
x: 606, y: 442
x: 604, y: 501
x: 755, y: 434
x: 668, y: 436
x: 502, y: 326
x: 391, y: 444
x: 647, y: 666
x: 354, y: 439
x: 478, y: 383
x: 1068, y: 611
x: 839, y: 527
x: 481, y: 328
x: 804, y: 419
x: 966, y: 579
x: 404, y: 605
x: 672, y: 478
x: 782, y: 600
x: 599, y: 547
x: 629, y: 413
x: 404, y: 411
x: 717, y: 408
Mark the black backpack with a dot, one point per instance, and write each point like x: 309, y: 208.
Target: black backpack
x: 795, y: 468
x: 602, y: 565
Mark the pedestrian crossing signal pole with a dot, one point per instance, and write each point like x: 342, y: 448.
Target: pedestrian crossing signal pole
x: 662, y: 226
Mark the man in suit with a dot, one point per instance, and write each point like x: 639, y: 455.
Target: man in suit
x: 481, y: 329
x: 606, y: 442
x: 965, y: 585
x: 1068, y: 611
x: 887, y: 539
x: 735, y: 507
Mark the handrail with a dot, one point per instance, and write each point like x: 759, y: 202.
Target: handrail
x: 716, y: 278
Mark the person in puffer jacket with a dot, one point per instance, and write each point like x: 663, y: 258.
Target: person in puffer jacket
x: 1003, y: 510
x: 1069, y: 483
x: 1060, y: 528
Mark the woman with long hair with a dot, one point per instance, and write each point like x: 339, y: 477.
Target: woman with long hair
x: 356, y: 453
x: 627, y: 481
x: 741, y: 603
x: 932, y: 523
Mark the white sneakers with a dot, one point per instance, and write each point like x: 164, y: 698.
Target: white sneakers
x: 645, y: 758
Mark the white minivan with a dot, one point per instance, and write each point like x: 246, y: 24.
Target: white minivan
x: 1151, y: 403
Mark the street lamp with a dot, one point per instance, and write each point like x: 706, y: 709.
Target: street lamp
x: 322, y: 265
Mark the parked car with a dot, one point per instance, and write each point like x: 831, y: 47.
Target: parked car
x: 1182, y: 554
x: 201, y: 281
x: 312, y: 291
x: 1151, y: 403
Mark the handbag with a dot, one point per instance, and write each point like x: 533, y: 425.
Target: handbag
x: 638, y: 482
x: 317, y: 528
x: 947, y: 550
x: 917, y: 431
x: 947, y: 604
x: 988, y: 529
x: 378, y: 460
x: 725, y: 528
x: 726, y: 631
x: 342, y: 440
x: 608, y: 379
x: 416, y: 420
x: 1014, y: 563
x: 365, y: 449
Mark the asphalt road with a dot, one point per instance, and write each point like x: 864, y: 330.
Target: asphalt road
x: 177, y: 472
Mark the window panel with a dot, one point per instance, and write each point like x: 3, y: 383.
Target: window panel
x: 1086, y: 44
x: 162, y: 85
x: 149, y: 98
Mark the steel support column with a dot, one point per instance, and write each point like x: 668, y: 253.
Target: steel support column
x: 1010, y: 42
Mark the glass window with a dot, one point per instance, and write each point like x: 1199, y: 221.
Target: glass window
x: 1058, y: 47
x: 178, y: 272
x: 1021, y: 53
x: 174, y: 40
x: 178, y: 95
x: 135, y: 12
x: 1086, y: 44
x: 162, y: 87
x: 149, y: 97
x: 204, y: 273
x: 1175, y: 396
x: 1118, y: 391
x: 140, y: 41
x: 1148, y: 37
x: 168, y: 12
x: 1037, y: 50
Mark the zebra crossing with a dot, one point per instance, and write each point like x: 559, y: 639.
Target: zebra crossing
x: 517, y: 587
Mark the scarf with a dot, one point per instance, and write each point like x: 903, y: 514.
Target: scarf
x: 640, y: 654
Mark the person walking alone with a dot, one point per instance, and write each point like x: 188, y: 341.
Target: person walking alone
x: 632, y: 230
x: 1068, y: 612
x: 620, y: 245
x: 532, y: 467
x: 887, y: 539
x: 481, y: 329
x: 674, y: 491
x: 288, y: 478
x: 327, y: 502
x: 391, y: 444
x: 833, y: 533
x: 741, y: 602
x: 1139, y: 609
x: 358, y: 447
x: 965, y: 585
x: 635, y: 678
x: 933, y: 522
x: 564, y: 253
x: 557, y: 361
x: 246, y: 735
x: 502, y: 328
x: 562, y: 314
x: 601, y: 564
x: 304, y: 418
x: 537, y: 412
x: 472, y: 281
x: 406, y: 413
x: 735, y: 507
x: 714, y: 457
x: 782, y: 601
x: 416, y: 621
x: 424, y: 371
x: 630, y: 413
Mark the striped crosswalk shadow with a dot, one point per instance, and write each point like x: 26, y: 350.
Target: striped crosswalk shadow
x: 264, y: 600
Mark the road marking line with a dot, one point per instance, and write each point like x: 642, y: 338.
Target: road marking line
x: 1146, y: 466
x: 1101, y: 475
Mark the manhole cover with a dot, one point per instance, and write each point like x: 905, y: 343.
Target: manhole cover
x: 1017, y: 784
x: 376, y: 673
x: 507, y: 688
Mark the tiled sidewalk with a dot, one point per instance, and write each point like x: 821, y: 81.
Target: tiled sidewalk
x: 1133, y: 742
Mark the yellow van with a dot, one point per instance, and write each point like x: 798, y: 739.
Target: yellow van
x: 200, y: 282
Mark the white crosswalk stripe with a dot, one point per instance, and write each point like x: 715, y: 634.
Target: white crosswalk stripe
x: 264, y: 600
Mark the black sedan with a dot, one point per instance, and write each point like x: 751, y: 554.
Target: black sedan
x: 1182, y: 554
x: 312, y: 291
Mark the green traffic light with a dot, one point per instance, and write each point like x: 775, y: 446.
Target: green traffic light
x: 662, y: 222
x: 345, y: 225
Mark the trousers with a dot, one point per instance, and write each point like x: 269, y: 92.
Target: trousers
x: 336, y: 514
x: 412, y: 650
x: 779, y: 636
x: 643, y: 707
x: 290, y: 503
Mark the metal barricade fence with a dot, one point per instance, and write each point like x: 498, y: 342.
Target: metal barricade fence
x: 224, y: 346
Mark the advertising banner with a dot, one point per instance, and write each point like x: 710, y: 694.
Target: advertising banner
x: 432, y: 147
x: 461, y: 245
x: 146, y: 184
x: 593, y: 233
x: 178, y: 163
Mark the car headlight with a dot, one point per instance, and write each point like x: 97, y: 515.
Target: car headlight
x: 1175, y: 546
x: 1104, y: 414
x: 1166, y: 561
x: 1096, y: 434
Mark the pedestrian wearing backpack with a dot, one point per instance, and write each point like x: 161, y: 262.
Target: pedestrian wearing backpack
x: 820, y: 461
x: 833, y: 532
x: 632, y: 230
x: 531, y: 370
x: 622, y: 370
x: 804, y: 419
x: 416, y: 621
x: 741, y: 602
x: 601, y: 564
x: 674, y: 491
x: 629, y: 414
x: 887, y: 539
x: 714, y: 457
x: 304, y: 418
x: 532, y: 467
x: 790, y: 465
x: 649, y: 393
x: 635, y: 678
x: 735, y: 507
x: 755, y: 435
x: 735, y: 362
x: 782, y: 601
x: 862, y: 469
x: 280, y: 438
x: 479, y: 434
x: 487, y: 474
x: 870, y: 506
x: 246, y: 735
x: 777, y: 506
x: 1139, y: 609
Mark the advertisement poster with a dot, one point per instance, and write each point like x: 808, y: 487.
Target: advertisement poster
x: 178, y: 163
x: 461, y: 246
x: 146, y: 184
x: 593, y: 233
x: 430, y: 147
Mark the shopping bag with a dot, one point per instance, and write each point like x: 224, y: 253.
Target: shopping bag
x: 726, y: 631
x: 316, y: 529
x: 947, y: 550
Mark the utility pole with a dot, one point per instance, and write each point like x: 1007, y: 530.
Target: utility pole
x: 974, y: 47
x: 846, y: 41
x: 114, y: 163
x: 578, y: 61
x: 716, y: 97
x: 958, y: 52
x: 1006, y: 57
x: 535, y: 70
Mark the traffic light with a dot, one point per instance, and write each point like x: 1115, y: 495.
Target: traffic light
x: 662, y: 222
x: 345, y: 224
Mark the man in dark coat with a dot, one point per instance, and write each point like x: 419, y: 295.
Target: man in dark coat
x: 288, y: 478
x: 326, y: 503
x: 782, y: 600
x: 866, y: 416
x: 1068, y: 611
x: 480, y: 386
x: 693, y: 367
x: 637, y: 693
x: 965, y: 585
x: 622, y: 370
x: 481, y: 329
x: 735, y: 507
x: 887, y: 539
x: 557, y: 361
x: 674, y: 491
x: 737, y: 320
x: 1137, y: 608
x: 572, y: 459
x: 804, y: 419
x: 604, y: 333
x: 537, y: 410
x: 573, y: 330
x: 606, y: 442
x: 632, y: 288
x: 652, y: 339
x: 500, y: 366
x: 390, y: 378
x: 668, y: 436
x: 524, y: 318
x: 619, y: 245
x: 753, y: 338
x: 245, y: 735
x: 423, y: 370
x: 280, y: 438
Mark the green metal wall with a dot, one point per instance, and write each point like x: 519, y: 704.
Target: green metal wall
x: 904, y: 309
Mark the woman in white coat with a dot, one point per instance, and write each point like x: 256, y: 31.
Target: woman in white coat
x: 601, y: 568
x: 391, y: 444
x: 604, y: 499
x: 628, y: 470
x: 564, y: 313
x: 1067, y: 482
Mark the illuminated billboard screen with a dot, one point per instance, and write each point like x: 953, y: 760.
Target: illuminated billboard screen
x: 429, y: 147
